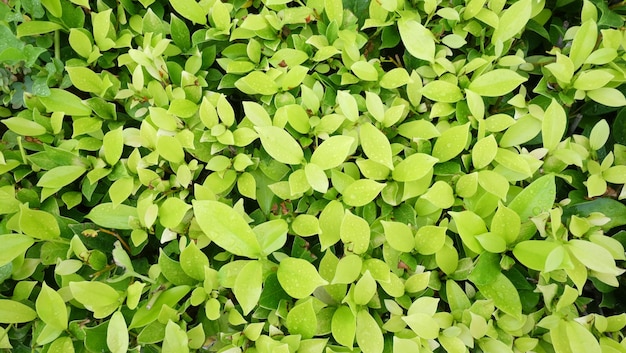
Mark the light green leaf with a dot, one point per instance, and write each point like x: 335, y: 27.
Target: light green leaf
x: 248, y: 286
x: 593, y: 256
x: 271, y: 235
x: 94, y: 295
x: 430, y: 239
x: 31, y: 28
x: 610, y: 97
x: 592, y: 79
x: 399, y: 236
x: 375, y: 145
x: 535, y: 198
x: 362, y: 192
x: 257, y: 82
x: 113, y: 143
x: 355, y: 233
x: 332, y: 152
x: 301, y: 320
x: 60, y: 176
x: 369, y: 337
x: 512, y: 21
x: 469, y: 225
x: 280, y: 144
x: 348, y: 105
x: 190, y: 10
x: 298, y: 277
x: 38, y: 224
x: 24, y: 127
x: 423, y: 325
x: 365, y: 289
x: 417, y: 39
x: 414, y: 167
x: 584, y: 43
x: 451, y: 142
x: 64, y: 101
x: 496, y: 83
x: 506, y: 223
x: 85, y: 80
x: 13, y: 245
x: 484, y: 151
x: 343, y: 326
x: 226, y: 228
x: 553, y: 125
x: 395, y: 78
x: 330, y: 222
x: 51, y: 308
x: 513, y: 161
x: 580, y: 338
x: 110, y: 216
x: 504, y: 295
x: 172, y: 211
x: 170, y: 149
x: 442, y: 91
x: 117, y: 334
x: 257, y: 114
x: 365, y: 71
x: 80, y: 42
x: 13, y: 312
x: 193, y: 261
x: 334, y: 10
x: 175, y: 340
x: 348, y: 269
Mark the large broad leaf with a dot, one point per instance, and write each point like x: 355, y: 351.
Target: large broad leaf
x: 553, y: 125
x: 13, y: 245
x: 414, y: 167
x: 417, y: 39
x: 368, y: 334
x: 375, y: 145
x: 248, y: 286
x: 63, y: 101
x: 13, y: 312
x: 512, y: 21
x: 332, y: 152
x: 496, y: 83
x: 302, y: 320
x: 190, y: 10
x: 362, y: 192
x: 110, y: 216
x: 226, y: 228
x: 298, y: 277
x: 60, y: 176
x: 504, y: 295
x: 451, y: 143
x: 536, y: 198
x: 38, y: 224
x: 280, y: 144
x: 343, y: 326
x: 51, y: 308
x: 117, y: 334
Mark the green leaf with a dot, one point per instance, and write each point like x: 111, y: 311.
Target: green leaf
x: 193, y: 261
x: 175, y: 340
x: 257, y: 82
x: 60, y: 176
x: 496, y: 83
x: 369, y: 337
x: 348, y: 269
x: 80, y: 42
x: 343, y: 326
x: 348, y: 105
x: 24, y: 127
x: 484, y: 152
x: 301, y: 320
x: 399, y: 236
x: 593, y: 256
x: 355, y: 233
x: 280, y: 145
x: 63, y: 101
x: 451, y: 143
x: 334, y: 10
x: 248, y: 286
x: 414, y: 167
x: 330, y: 223
x: 365, y: 71
x: 13, y: 246
x: 332, y: 152
x: 170, y: 148
x: 608, y: 96
x: 504, y: 295
x: 535, y: 198
x: 257, y: 114
x: 361, y: 192
x: 584, y: 43
x: 172, y: 211
x: 442, y: 91
x: 580, y: 338
x: 298, y: 277
x: 512, y: 21
x: 429, y: 239
x: 173, y: 271
x: 375, y: 145
x: 85, y: 80
x: 31, y: 28
x: 190, y: 10
x: 533, y: 253
x: 51, y: 308
x: 417, y: 39
x: 227, y: 228
x: 271, y: 235
x: 110, y: 216
x: 423, y: 325
x: 553, y: 125
x: 506, y: 223
x: 98, y: 297
x: 117, y: 334
x: 469, y: 225
x: 38, y: 224
x: 13, y: 312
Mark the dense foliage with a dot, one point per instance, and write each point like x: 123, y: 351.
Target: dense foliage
x: 312, y: 176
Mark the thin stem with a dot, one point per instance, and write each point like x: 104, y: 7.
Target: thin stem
x: 117, y: 236
x: 57, y: 45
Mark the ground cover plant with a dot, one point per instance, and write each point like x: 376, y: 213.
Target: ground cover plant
x: 286, y: 176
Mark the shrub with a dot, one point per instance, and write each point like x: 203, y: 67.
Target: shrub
x: 318, y: 176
